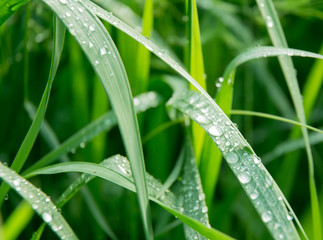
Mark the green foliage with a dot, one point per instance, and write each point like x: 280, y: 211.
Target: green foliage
x: 168, y: 132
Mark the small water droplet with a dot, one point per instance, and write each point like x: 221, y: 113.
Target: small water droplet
x: 68, y: 14
x: 92, y: 28
x: 290, y: 53
x: 256, y: 159
x: 254, y: 194
x: 34, y: 206
x: 90, y: 45
x: 281, y: 236
x: 203, y: 120
x: 267, y: 216
x: 204, y: 209
x: 269, y: 21
x: 244, y: 177
x: 81, y: 9
x: 82, y: 145
x: 16, y: 182
x: 215, y: 131
x: 289, y: 216
x: 47, y: 199
x: 63, y: 1
x: 201, y: 196
x: 47, y: 217
x: 232, y: 158
x: 103, y: 51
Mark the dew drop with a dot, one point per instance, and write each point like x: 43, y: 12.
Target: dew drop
x: 215, y: 131
x: 203, y: 120
x: 256, y: 160
x: 232, y: 158
x: 270, y: 23
x: 103, y: 51
x: 204, y: 209
x: 47, y: 217
x: 63, y: 1
x: 281, y: 236
x: 90, y: 45
x: 16, y: 182
x: 68, y: 14
x: 254, y: 194
x: 267, y: 216
x: 92, y: 28
x: 81, y: 9
x: 290, y: 53
x: 289, y: 216
x: 82, y: 145
x: 244, y: 177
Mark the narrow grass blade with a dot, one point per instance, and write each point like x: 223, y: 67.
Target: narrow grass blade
x: 253, y: 176
x: 39, y: 202
x: 9, y: 7
x: 264, y: 52
x: 25, y: 148
x: 143, y: 55
x: 102, y: 124
x: 117, y: 170
x: 277, y: 36
x: 274, y: 117
x: 17, y: 221
x: 196, y: 67
x: 192, y: 194
x: 104, y: 57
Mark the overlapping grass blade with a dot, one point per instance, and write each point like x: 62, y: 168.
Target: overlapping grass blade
x: 25, y: 148
x: 9, y: 7
x: 253, y: 176
x: 104, y: 123
x: 192, y: 194
x: 117, y: 170
x: 17, y: 221
x: 277, y: 36
x: 103, y: 55
x: 39, y: 201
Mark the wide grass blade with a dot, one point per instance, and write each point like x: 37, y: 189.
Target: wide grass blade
x: 253, y: 176
x: 39, y: 202
x: 104, y: 123
x: 25, y: 148
x: 117, y: 170
x: 277, y: 36
x: 9, y: 7
x: 105, y: 59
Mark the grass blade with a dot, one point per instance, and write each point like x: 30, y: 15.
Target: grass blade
x: 39, y: 202
x: 104, y: 123
x: 105, y: 59
x: 253, y: 176
x: 117, y: 170
x: 277, y: 36
x: 25, y: 148
x: 196, y: 67
x: 9, y: 7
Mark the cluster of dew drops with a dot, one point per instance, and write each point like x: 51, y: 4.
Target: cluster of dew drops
x: 244, y: 163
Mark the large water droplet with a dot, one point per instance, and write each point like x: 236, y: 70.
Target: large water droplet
x: 267, y: 216
x: 47, y: 217
x: 215, y: 131
x: 254, y: 194
x: 232, y: 158
x: 244, y: 177
x: 203, y: 120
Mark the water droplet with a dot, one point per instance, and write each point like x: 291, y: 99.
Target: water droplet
x: 256, y: 159
x: 68, y: 14
x: 215, y: 131
x: 203, y: 120
x: 204, y: 209
x: 34, y: 206
x: 90, y: 45
x: 232, y: 158
x: 16, y: 182
x: 73, y: 151
x: 281, y: 236
x: 47, y: 217
x: 244, y: 177
x: 303, y: 54
x: 221, y: 79
x: 269, y: 21
x: 254, y: 194
x: 96, y: 62
x: 289, y: 216
x: 81, y: 9
x: 267, y: 216
x: 290, y: 53
x: 63, y: 1
x: 82, y: 145
x: 103, y: 51
x: 92, y: 28
x: 201, y: 196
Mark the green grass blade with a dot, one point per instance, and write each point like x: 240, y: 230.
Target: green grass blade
x: 117, y: 170
x: 274, y: 117
x: 105, y: 59
x: 277, y: 36
x: 9, y: 7
x: 253, y: 176
x: 25, y: 148
x: 196, y: 67
x: 143, y: 55
x: 102, y: 124
x: 192, y: 193
x: 39, y: 202
x: 17, y: 221
x: 258, y: 52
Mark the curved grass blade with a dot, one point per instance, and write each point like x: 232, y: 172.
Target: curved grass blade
x: 264, y: 52
x: 117, y: 170
x: 17, y: 221
x: 192, y: 194
x: 25, y: 148
x: 9, y: 7
x: 104, y: 123
x: 105, y: 59
x: 277, y: 36
x: 253, y: 176
x: 274, y: 117
x: 39, y: 202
